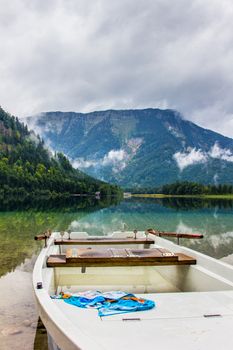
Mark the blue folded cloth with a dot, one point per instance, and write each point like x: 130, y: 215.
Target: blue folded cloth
x: 110, y: 303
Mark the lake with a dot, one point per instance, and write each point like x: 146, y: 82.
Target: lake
x: 18, y: 250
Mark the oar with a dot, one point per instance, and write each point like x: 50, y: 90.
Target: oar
x: 175, y: 234
x: 43, y: 236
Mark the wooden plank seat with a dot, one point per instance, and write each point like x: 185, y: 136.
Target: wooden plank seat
x: 104, y: 241
x: 119, y: 257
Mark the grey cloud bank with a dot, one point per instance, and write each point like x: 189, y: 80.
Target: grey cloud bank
x: 91, y: 55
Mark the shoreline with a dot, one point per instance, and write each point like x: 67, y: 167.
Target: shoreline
x: 201, y: 196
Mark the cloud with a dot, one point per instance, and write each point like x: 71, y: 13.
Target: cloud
x: 95, y: 224
x: 32, y: 136
x: 225, y: 238
x: 215, y: 178
x: 117, y: 159
x: 37, y: 130
x: 215, y: 117
x: 183, y: 228
x: 193, y: 156
x: 114, y: 156
x: 189, y: 157
x: 221, y: 153
x: 81, y: 163
x: 92, y: 55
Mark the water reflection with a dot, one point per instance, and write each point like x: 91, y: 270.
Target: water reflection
x: 192, y: 203
x: 196, y: 203
x: 17, y: 228
x: 214, y: 221
x: 18, y: 250
x: 67, y: 203
x: 18, y: 317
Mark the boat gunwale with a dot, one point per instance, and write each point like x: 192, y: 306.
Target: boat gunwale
x: 59, y: 325
x: 62, y: 329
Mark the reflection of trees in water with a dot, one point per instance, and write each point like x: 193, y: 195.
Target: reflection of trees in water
x: 179, y: 203
x: 18, y: 228
x: 44, y: 203
x: 195, y: 203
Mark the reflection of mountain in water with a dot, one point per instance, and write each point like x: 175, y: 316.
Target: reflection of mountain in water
x: 207, y: 217
x: 212, y: 218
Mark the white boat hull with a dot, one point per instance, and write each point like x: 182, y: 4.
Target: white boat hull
x: 194, y: 304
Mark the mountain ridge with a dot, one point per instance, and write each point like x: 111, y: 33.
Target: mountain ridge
x: 139, y: 147
x: 67, y: 114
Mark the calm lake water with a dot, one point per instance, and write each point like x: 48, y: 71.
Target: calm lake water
x: 18, y: 250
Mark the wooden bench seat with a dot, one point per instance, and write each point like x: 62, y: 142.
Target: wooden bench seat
x: 104, y: 241
x: 119, y: 257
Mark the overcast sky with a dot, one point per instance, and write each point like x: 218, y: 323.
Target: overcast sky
x: 84, y: 55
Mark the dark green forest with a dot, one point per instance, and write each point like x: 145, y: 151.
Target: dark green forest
x: 28, y: 168
x: 185, y: 188
x: 193, y: 188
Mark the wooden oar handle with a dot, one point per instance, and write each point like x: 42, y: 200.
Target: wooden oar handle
x: 43, y: 236
x: 39, y: 237
x: 175, y: 234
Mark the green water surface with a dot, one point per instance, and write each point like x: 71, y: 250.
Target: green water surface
x: 18, y: 250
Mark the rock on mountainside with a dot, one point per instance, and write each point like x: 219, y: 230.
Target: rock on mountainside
x: 148, y: 147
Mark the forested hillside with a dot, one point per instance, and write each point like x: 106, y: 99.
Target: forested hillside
x: 139, y: 148
x: 26, y: 166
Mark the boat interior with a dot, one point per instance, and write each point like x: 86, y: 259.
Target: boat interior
x: 155, y: 268
x: 191, y: 299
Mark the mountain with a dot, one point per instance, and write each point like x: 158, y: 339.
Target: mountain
x: 26, y: 166
x: 142, y: 148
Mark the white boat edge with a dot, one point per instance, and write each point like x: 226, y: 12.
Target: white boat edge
x: 68, y: 337
x: 61, y: 330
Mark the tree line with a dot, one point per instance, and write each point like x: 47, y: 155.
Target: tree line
x: 27, y: 167
x: 185, y: 188
x: 193, y: 188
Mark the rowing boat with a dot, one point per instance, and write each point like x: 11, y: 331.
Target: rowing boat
x: 192, y: 291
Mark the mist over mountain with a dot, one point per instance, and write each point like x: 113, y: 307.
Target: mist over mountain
x: 138, y: 148
x: 27, y: 168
